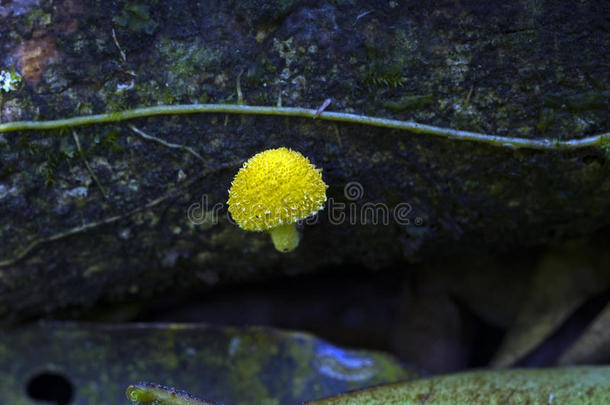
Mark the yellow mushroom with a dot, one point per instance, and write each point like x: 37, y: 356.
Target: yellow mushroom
x: 272, y: 191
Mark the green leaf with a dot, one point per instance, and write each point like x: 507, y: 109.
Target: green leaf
x: 568, y: 386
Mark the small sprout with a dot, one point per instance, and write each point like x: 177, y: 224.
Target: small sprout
x: 325, y: 104
x: 145, y: 393
x: 9, y: 80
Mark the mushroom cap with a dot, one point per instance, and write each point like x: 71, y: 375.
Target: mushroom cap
x: 275, y: 187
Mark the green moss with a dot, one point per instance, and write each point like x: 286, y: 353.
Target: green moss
x: 385, y: 67
x: 136, y: 18
x: 156, y: 92
x: 545, y: 120
x: 187, y: 59
x: 48, y: 154
x: 380, y: 74
x: 590, y: 100
x: 107, y: 140
x: 496, y: 188
x: 409, y: 102
x: 38, y: 18
x: 184, y: 68
x: 404, y: 44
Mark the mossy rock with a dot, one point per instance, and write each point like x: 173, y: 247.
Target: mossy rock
x: 148, y: 219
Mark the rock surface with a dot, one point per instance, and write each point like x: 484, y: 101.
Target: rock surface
x: 130, y: 218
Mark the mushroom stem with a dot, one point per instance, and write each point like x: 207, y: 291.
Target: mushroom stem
x: 285, y: 237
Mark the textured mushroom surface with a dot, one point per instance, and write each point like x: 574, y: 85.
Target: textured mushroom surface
x: 276, y: 187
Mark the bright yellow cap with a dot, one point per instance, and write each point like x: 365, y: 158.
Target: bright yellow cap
x: 276, y: 187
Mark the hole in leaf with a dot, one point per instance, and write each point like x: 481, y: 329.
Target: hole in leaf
x: 50, y: 387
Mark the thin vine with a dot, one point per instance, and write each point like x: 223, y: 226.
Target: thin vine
x: 600, y: 140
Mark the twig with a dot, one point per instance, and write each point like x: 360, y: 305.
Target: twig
x: 240, y: 95
x: 82, y: 155
x: 116, y: 42
x: 123, y: 57
x: 495, y: 140
x: 362, y: 15
x: 164, y: 143
x: 92, y: 225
